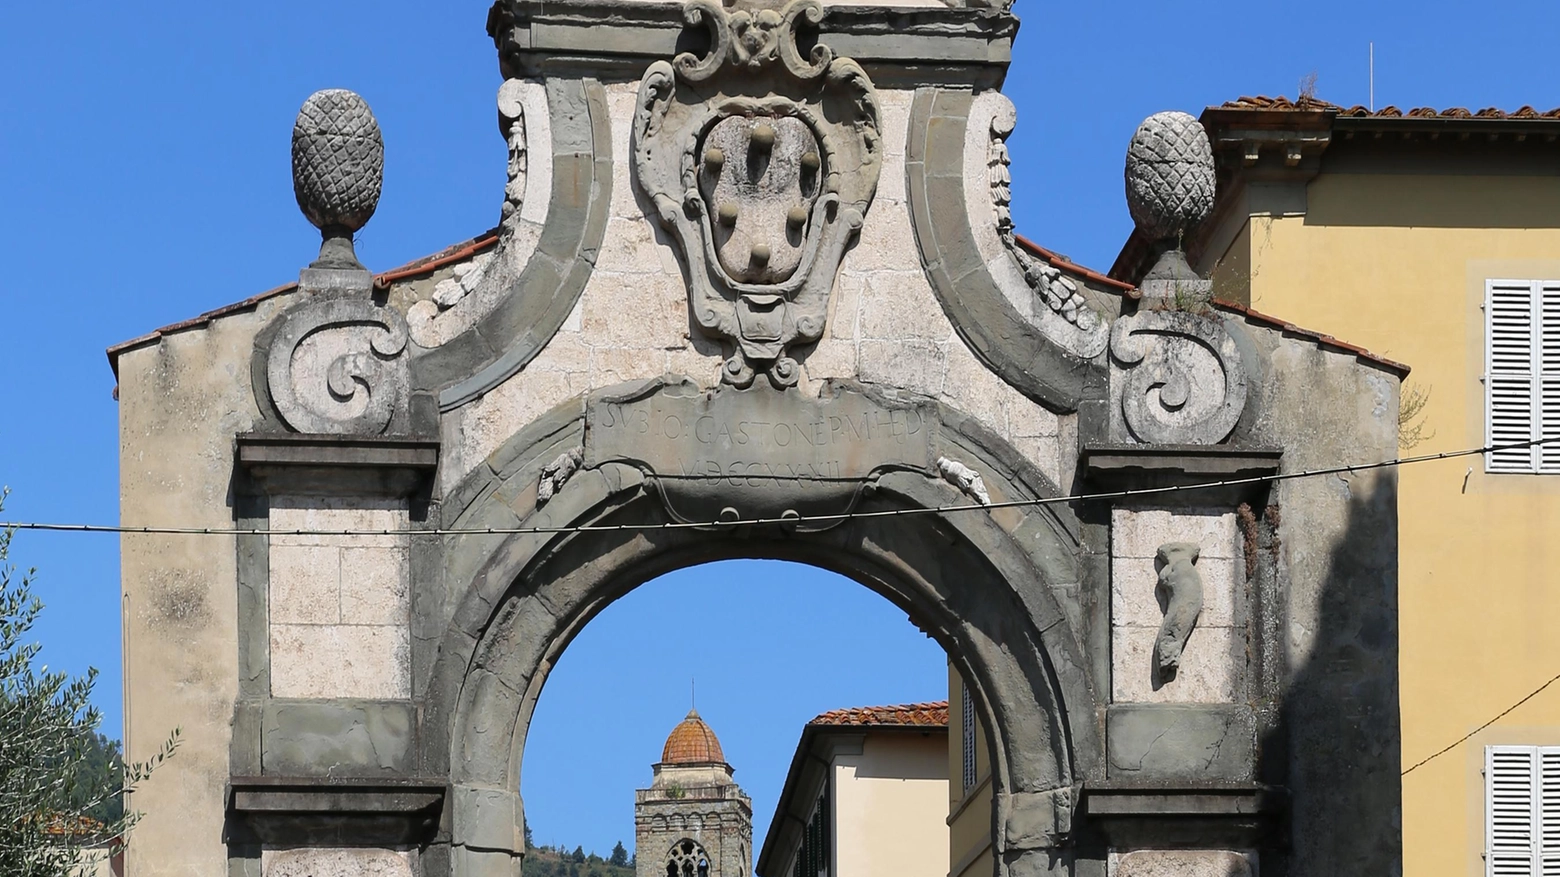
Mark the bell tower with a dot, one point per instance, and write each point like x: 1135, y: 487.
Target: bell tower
x: 694, y: 820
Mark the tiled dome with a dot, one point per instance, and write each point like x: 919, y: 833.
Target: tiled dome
x: 692, y: 742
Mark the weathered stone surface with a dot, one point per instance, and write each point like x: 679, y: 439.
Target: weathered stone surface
x: 1180, y: 742
x: 477, y: 287
x: 488, y: 819
x: 336, y: 366
x: 1170, y: 177
x: 1175, y: 378
x: 1038, y: 819
x: 1018, y: 347
x: 341, y: 862
x: 598, y: 298
x: 337, y: 739
x: 338, y: 159
x: 807, y: 455
x: 375, y: 586
x: 1209, y: 672
x: 1181, y: 589
x: 1138, y: 531
x: 1038, y: 290
x: 550, y: 257
x: 1182, y: 863
x: 305, y: 584
x: 340, y: 660
x: 1213, y: 659
x: 1135, y: 604
x: 347, y: 596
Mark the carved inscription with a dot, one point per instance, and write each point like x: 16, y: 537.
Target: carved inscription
x: 760, y: 452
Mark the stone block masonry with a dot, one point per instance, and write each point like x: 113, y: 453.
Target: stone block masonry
x: 339, y: 605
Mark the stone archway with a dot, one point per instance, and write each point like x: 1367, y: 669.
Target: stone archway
x: 983, y: 585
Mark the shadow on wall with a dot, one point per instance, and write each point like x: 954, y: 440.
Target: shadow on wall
x: 1335, y: 742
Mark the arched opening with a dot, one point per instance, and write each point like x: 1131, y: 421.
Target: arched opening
x: 772, y: 646
x: 996, y: 590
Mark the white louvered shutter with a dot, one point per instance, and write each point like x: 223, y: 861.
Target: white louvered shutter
x: 1511, y: 811
x: 1549, y: 811
x: 1522, y: 804
x: 1547, y: 294
x: 1513, y: 391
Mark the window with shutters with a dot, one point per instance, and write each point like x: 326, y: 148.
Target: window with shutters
x: 1522, y: 374
x: 967, y: 738
x: 812, y: 860
x: 1522, y: 811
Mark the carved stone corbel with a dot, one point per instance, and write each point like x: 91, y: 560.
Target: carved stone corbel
x: 763, y: 175
x: 557, y: 473
x: 966, y: 479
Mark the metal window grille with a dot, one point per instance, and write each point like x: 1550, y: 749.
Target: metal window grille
x: 1522, y: 811
x: 1522, y: 373
x: 967, y: 738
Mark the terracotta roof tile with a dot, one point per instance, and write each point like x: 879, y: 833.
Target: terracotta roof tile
x: 425, y: 265
x: 1063, y: 263
x: 1311, y: 104
x: 692, y: 742
x: 919, y: 715
x: 1319, y: 338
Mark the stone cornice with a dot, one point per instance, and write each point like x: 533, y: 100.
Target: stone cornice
x: 616, y: 40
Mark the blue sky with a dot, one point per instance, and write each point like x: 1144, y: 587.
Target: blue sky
x: 144, y: 178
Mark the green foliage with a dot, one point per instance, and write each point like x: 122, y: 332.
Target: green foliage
x: 619, y: 858
x: 559, y: 861
x: 61, y: 781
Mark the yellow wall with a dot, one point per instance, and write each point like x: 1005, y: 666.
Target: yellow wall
x: 969, y: 811
x: 888, y: 803
x: 1397, y: 264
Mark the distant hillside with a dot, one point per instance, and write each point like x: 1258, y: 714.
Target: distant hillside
x: 556, y: 862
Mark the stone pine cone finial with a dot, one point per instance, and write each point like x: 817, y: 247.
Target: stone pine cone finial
x: 1170, y: 178
x: 338, y: 160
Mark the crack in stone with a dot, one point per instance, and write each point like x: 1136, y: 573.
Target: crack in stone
x: 1150, y: 747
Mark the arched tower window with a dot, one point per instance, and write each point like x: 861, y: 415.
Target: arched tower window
x: 687, y: 859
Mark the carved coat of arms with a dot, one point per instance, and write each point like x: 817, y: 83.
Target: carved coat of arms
x: 762, y: 163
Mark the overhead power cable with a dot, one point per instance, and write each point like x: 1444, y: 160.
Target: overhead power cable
x: 1469, y: 736
x: 1129, y: 493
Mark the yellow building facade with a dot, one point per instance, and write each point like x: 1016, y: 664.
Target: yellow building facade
x: 1400, y: 232
x: 969, y: 786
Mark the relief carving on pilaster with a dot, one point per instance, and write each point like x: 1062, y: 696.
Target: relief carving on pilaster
x: 762, y: 164
x: 1182, y: 589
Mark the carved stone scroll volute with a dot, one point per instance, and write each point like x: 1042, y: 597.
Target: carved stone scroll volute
x: 763, y: 175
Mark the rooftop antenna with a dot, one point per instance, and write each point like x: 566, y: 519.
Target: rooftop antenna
x: 1373, y: 76
x: 693, y: 693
